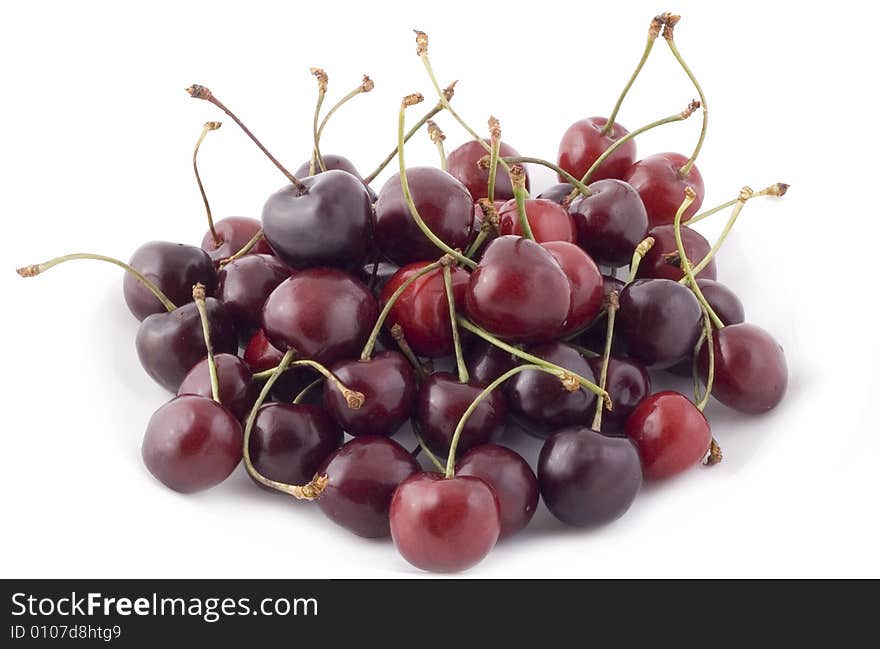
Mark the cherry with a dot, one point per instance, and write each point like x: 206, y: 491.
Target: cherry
x: 192, y: 443
x: 340, y: 163
x: 549, y: 220
x: 388, y: 384
x: 518, y: 291
x: 443, y: 203
x: 376, y: 281
x: 260, y: 355
x: 627, y: 383
x: 588, y: 479
x: 237, y: 388
x: 671, y: 433
x: 585, y: 140
x: 486, y: 362
x: 660, y: 321
x: 463, y: 164
x: 175, y: 268
x: 326, y: 220
x: 557, y: 193
x: 543, y: 400
x: 322, y: 313
x: 289, y: 442
x: 587, y: 287
x: 243, y: 286
x: 611, y: 221
x: 512, y: 479
x: 662, y: 259
x: 443, y: 400
x: 422, y: 310
x: 661, y: 186
x: 444, y: 524
x: 363, y: 475
x: 751, y: 374
x: 724, y: 302
x: 234, y: 233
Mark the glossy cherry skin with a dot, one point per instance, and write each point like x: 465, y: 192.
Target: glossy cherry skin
x: 243, y: 287
x: 518, y: 291
x: 751, y: 374
x: 175, y: 268
x: 510, y: 477
x: 238, y: 391
x: 587, y: 292
x: 388, y: 384
x: 627, y: 383
x: 329, y: 224
x: 486, y: 362
x: 588, y: 479
x: 723, y: 301
x: 463, y: 164
x: 422, y: 310
x: 557, y: 193
x: 339, y: 162
x: 323, y: 313
x: 363, y: 475
x: 192, y: 443
x: 549, y: 221
x: 170, y: 344
x: 594, y: 337
x: 541, y: 398
x: 662, y: 189
x: 662, y: 259
x: 444, y: 524
x: 670, y: 432
x: 289, y: 441
x: 441, y: 403
x: 260, y: 355
x: 659, y: 320
x: 234, y: 233
x: 583, y: 143
x: 610, y: 222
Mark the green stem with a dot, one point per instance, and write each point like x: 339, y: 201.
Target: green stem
x: 311, y: 386
x: 653, y: 32
x: 611, y: 310
x: 495, y: 148
x: 456, y: 339
x: 571, y: 180
x: 317, y: 161
x: 366, y: 86
x: 686, y: 169
x: 638, y: 254
x: 245, y: 249
x: 734, y: 215
x: 209, y: 126
x: 710, y: 377
x: 430, y: 455
x: 406, y: 350
x: 710, y: 212
x: 199, y: 299
x: 518, y: 177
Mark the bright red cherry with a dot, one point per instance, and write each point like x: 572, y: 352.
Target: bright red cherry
x: 582, y: 144
x: 463, y: 163
x: 237, y: 388
x: 661, y: 186
x: 244, y: 285
x: 234, y: 233
x: 662, y: 259
x: 587, y: 291
x: 548, y: 220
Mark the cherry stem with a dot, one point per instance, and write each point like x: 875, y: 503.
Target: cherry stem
x: 536, y: 360
x: 199, y: 298
x: 353, y: 398
x: 437, y: 137
x: 308, y: 491
x: 490, y: 225
x: 776, y: 189
x: 406, y: 350
x: 689, y: 196
x: 670, y: 21
x: 245, y: 249
x: 744, y: 195
x: 611, y: 309
x: 201, y: 92
x: 571, y: 180
x: 495, y: 148
x: 208, y: 127
x: 311, y: 386
x: 715, y: 455
x: 366, y: 86
x: 367, y: 351
x: 518, y: 178
x: 456, y: 339
x: 710, y: 379
x: 35, y: 269
x: 424, y: 447
x: 653, y: 33
x: 638, y: 254
x: 411, y: 100
x: 316, y: 160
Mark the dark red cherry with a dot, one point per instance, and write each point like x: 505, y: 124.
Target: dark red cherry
x: 444, y: 204
x: 588, y: 479
x: 549, y: 221
x: 192, y: 443
x: 363, y: 475
x: 751, y: 374
x: 289, y: 442
x: 328, y: 224
x: 659, y: 320
x: 444, y: 524
x: 175, y: 268
x: 541, y: 398
x: 486, y: 362
x: 587, y: 288
x: 441, y: 403
x: 610, y: 222
x: 627, y: 383
x: 463, y: 164
x: 518, y: 291
x: 583, y: 143
x: 323, y: 313
x: 657, y: 180
x: 260, y: 355
x: 557, y: 193
x: 594, y: 337
x: 670, y: 432
x: 341, y: 163
x: 234, y: 233
x: 662, y: 259
x: 388, y: 384
x: 422, y: 310
x: 237, y: 388
x: 170, y: 344
x: 243, y: 286
x: 512, y: 479
x: 724, y: 302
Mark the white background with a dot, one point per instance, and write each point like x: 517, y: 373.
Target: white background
x: 96, y: 141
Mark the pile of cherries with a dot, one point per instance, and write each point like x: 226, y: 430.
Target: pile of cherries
x: 550, y: 313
